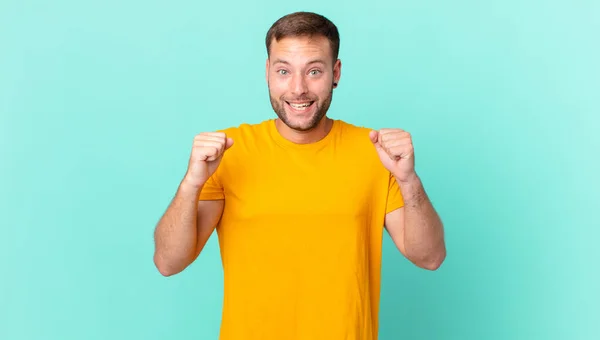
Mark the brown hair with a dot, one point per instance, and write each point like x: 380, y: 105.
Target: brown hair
x: 304, y: 24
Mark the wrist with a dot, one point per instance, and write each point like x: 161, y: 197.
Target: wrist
x: 410, y: 179
x: 189, y: 186
x: 412, y: 189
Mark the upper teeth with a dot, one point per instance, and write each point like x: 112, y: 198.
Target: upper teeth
x: 300, y: 105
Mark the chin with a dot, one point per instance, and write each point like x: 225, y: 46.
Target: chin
x: 302, y: 126
x: 300, y: 123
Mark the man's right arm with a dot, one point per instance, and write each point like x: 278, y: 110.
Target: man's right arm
x: 188, y: 222
x: 184, y: 229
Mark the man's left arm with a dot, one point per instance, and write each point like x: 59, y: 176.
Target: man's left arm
x: 415, y: 228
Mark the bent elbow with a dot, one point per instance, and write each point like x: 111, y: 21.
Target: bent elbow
x: 432, y: 265
x: 163, y: 268
x: 432, y: 262
x: 166, y: 272
x: 436, y: 262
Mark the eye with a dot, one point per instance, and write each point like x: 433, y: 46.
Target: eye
x: 314, y: 72
x: 282, y: 72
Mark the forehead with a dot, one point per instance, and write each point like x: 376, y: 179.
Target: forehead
x: 301, y: 48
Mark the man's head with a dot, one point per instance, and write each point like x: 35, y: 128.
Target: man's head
x: 302, y: 68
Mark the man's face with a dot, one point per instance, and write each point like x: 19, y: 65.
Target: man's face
x: 300, y: 75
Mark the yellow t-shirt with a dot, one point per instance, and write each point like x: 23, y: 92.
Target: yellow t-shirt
x: 301, y: 234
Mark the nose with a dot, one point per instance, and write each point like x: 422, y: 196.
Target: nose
x: 299, y: 86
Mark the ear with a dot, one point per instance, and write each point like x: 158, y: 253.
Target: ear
x: 337, y: 71
x: 267, y: 70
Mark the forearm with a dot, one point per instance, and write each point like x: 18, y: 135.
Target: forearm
x: 423, y: 228
x: 176, y: 232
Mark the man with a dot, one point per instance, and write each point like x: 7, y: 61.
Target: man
x: 300, y: 203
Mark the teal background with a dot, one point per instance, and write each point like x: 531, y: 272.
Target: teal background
x: 100, y: 100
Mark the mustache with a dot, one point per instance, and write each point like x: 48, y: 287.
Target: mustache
x: 299, y: 99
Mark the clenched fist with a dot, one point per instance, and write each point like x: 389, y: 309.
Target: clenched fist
x: 207, y: 152
x: 396, y: 152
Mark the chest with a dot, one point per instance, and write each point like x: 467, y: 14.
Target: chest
x: 332, y: 185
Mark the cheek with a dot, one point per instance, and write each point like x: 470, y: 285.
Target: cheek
x: 276, y: 89
x: 277, y: 85
x: 320, y: 89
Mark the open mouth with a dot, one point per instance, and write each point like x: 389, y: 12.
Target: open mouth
x: 300, y: 106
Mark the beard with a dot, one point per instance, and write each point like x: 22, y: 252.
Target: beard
x: 321, y: 110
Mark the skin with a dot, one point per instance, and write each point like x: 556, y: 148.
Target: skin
x: 415, y: 228
x: 299, y: 69
x: 302, y: 69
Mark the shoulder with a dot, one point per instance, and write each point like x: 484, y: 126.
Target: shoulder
x: 248, y: 140
x: 355, y: 138
x: 351, y: 129
x: 356, y: 135
x: 247, y: 131
x: 357, y: 143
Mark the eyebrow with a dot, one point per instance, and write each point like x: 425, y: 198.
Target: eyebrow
x: 314, y: 61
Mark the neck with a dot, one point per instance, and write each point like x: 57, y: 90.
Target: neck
x: 305, y: 137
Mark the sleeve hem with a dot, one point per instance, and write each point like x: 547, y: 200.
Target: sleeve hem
x: 391, y: 208
x: 210, y: 196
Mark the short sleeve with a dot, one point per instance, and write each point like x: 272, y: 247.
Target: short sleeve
x: 212, y: 189
x: 394, y: 199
